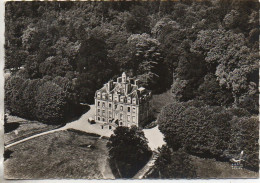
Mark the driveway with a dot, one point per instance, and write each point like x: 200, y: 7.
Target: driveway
x: 81, y: 124
x: 153, y: 135
x: 155, y: 138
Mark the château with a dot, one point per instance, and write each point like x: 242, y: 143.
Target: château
x: 122, y: 103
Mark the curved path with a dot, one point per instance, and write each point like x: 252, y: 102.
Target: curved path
x: 31, y: 137
x: 141, y: 173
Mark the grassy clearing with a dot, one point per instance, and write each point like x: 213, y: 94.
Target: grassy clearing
x: 210, y: 168
x: 19, y: 128
x: 63, y: 154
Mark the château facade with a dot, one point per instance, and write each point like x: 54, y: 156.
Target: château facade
x: 122, y: 103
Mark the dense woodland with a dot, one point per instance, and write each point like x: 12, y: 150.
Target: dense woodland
x: 205, y: 52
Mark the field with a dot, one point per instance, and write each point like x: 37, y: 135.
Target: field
x: 209, y: 168
x: 19, y: 128
x: 63, y: 154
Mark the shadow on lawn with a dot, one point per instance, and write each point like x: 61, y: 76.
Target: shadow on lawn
x: 74, y: 114
x: 7, y: 154
x: 8, y: 127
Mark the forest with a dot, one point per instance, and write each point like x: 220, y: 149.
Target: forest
x: 206, y: 53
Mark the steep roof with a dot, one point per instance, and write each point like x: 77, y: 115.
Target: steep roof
x: 119, y: 88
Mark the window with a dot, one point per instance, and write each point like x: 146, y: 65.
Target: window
x: 103, y: 112
x: 104, y: 96
x: 121, y: 116
x: 121, y: 107
x: 121, y: 123
x: 129, y: 100
x: 134, y: 101
x: 109, y: 127
x: 110, y: 105
x: 98, y: 104
x: 98, y: 118
x: 133, y: 109
x: 128, y: 109
x: 103, y: 104
x: 128, y: 117
x: 98, y: 111
x: 102, y: 126
x: 110, y: 114
x: 115, y: 106
x: 133, y: 118
x: 103, y: 119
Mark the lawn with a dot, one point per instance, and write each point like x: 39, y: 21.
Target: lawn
x: 19, y: 128
x: 63, y: 154
x: 210, y: 168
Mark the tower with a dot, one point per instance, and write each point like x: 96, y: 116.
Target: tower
x: 123, y: 77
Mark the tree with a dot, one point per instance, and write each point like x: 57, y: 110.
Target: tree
x: 212, y: 94
x: 199, y: 129
x: 51, y: 106
x: 92, y: 55
x: 128, y: 150
x: 173, y: 164
x: 138, y: 22
x: 236, y: 65
x: 141, y: 56
x: 55, y: 66
x: 13, y: 99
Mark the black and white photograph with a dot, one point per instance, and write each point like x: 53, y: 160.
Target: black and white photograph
x: 131, y: 90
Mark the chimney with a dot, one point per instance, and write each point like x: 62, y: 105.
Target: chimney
x: 127, y: 88
x: 123, y: 77
x: 119, y: 79
x: 109, y: 85
x: 137, y: 82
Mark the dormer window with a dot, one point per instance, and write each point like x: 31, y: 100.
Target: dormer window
x: 122, y: 99
x: 116, y: 98
x: 134, y: 100
x: 110, y: 97
x: 98, y: 94
x: 103, y: 96
x: 129, y: 100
